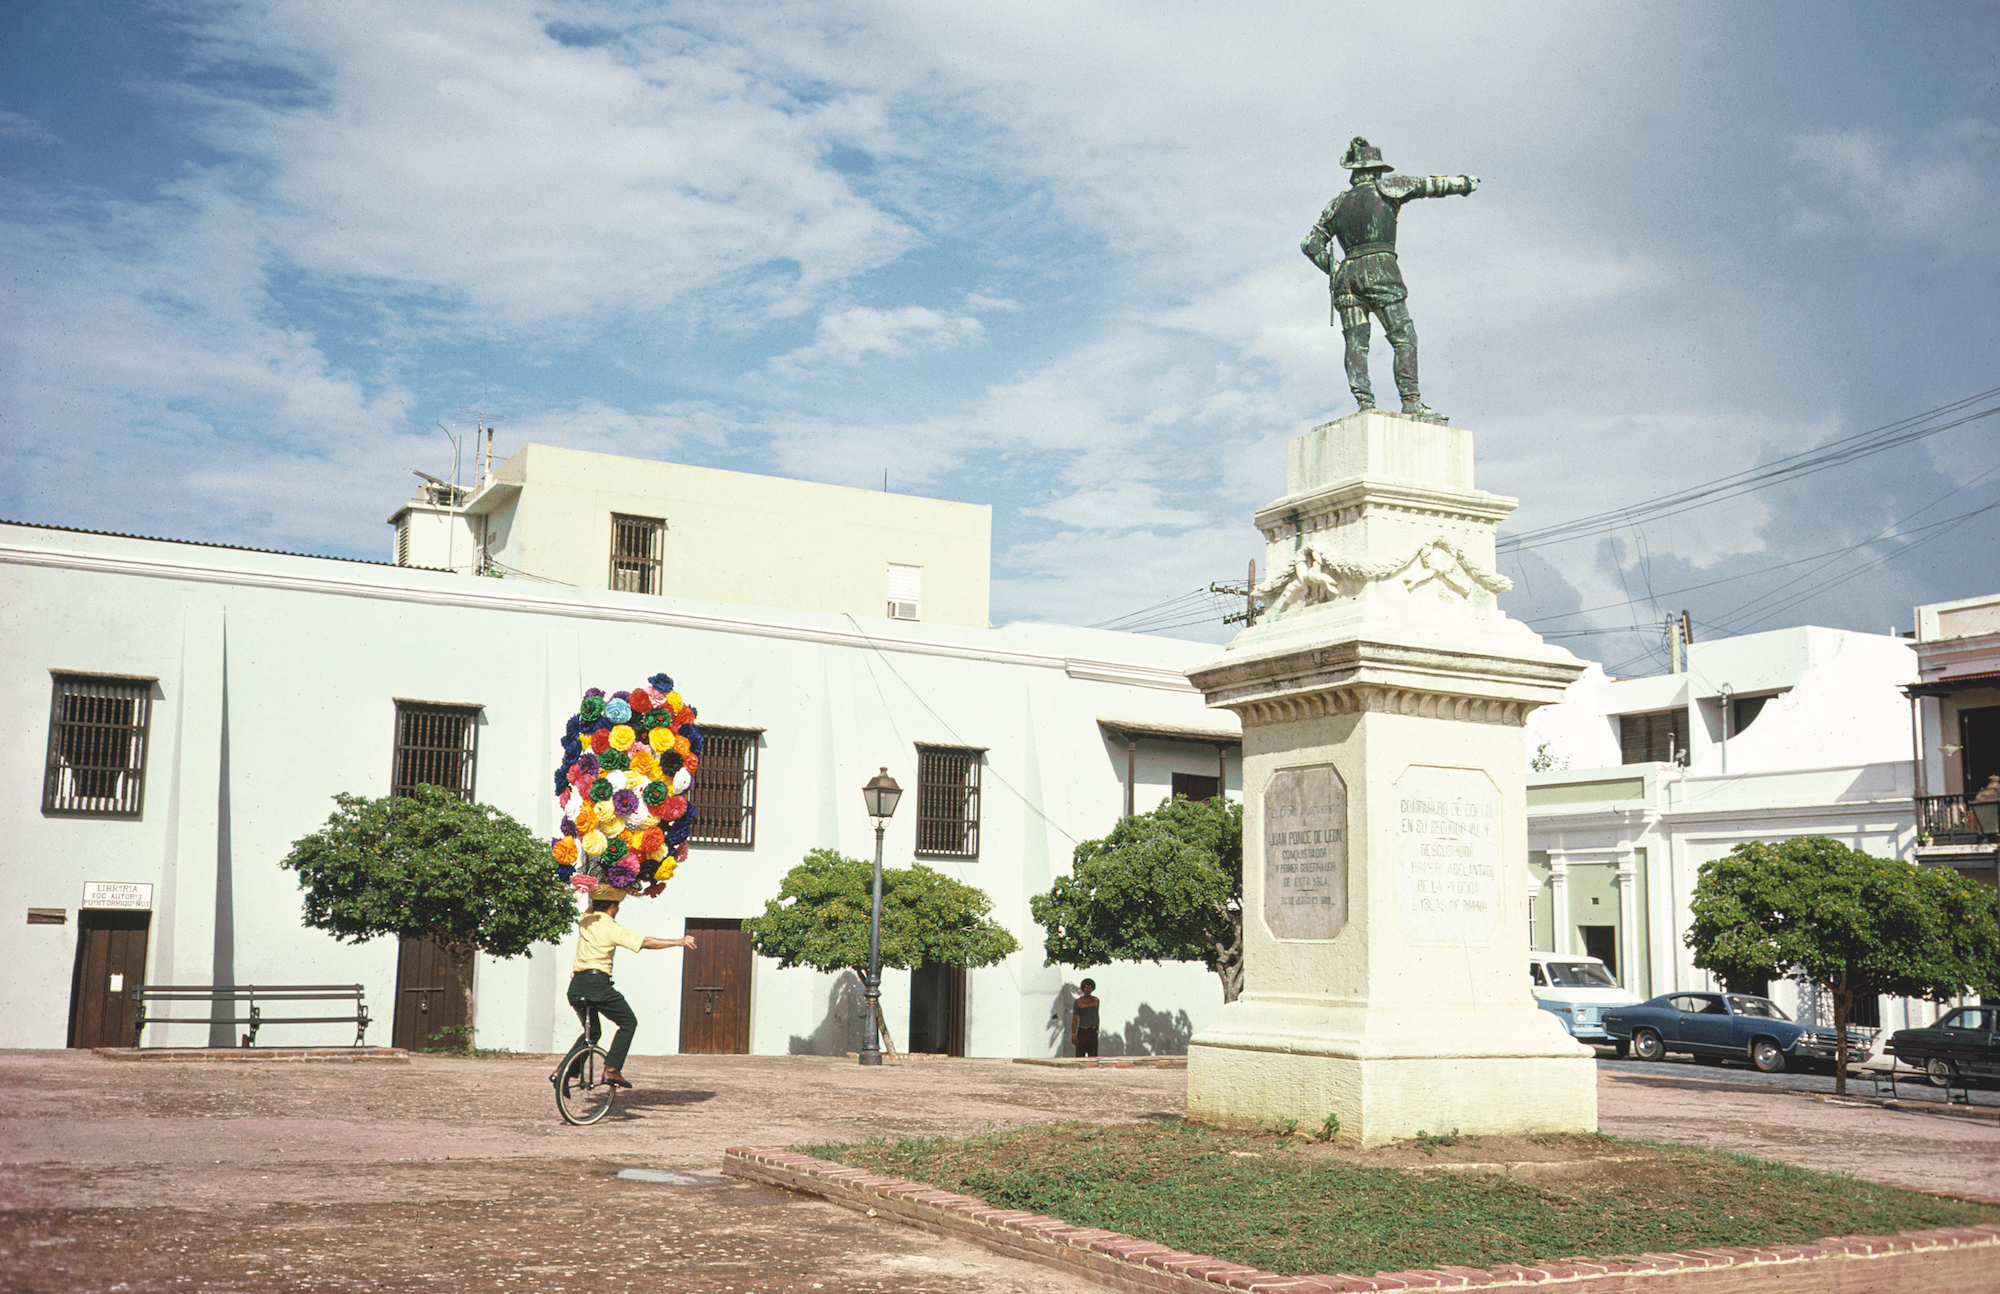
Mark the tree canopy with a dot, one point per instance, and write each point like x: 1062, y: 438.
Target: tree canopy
x: 1858, y: 925
x: 1163, y: 886
x: 820, y: 918
x: 431, y: 866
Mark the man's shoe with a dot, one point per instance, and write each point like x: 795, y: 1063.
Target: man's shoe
x: 614, y: 1078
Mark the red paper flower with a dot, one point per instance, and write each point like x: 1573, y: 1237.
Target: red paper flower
x: 600, y: 741
x: 640, y: 702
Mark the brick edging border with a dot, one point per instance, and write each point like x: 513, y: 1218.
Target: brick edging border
x: 1962, y: 1259
x: 267, y: 1055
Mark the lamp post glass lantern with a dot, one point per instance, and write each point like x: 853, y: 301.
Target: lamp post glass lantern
x: 880, y: 795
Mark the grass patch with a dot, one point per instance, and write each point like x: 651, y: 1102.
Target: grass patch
x: 1288, y: 1206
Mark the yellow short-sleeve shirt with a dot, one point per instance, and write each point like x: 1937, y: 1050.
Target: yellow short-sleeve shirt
x: 597, y: 938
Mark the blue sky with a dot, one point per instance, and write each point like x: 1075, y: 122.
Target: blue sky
x: 1037, y: 255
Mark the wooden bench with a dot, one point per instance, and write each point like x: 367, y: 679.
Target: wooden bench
x: 250, y: 998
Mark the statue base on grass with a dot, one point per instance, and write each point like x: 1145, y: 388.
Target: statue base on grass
x: 1385, y: 838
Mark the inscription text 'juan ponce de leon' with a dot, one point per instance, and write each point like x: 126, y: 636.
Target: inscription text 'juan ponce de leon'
x: 1305, y: 853
x: 1447, y: 855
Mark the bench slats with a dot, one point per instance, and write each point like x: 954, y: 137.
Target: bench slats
x: 250, y: 995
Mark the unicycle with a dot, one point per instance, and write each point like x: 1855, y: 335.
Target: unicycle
x: 583, y: 1095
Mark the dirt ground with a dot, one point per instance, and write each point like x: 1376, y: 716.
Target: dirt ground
x: 123, y: 1176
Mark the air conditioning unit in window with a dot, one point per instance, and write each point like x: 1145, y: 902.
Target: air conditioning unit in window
x: 903, y: 611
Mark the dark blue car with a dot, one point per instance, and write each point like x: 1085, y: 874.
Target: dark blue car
x: 1725, y: 1026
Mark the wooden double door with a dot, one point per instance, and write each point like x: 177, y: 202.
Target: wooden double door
x: 715, y: 989
x: 110, y: 963
x: 430, y: 999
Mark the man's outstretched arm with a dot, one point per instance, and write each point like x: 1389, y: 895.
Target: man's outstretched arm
x: 1405, y: 188
x: 685, y: 941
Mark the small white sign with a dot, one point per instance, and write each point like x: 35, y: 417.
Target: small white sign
x: 117, y: 894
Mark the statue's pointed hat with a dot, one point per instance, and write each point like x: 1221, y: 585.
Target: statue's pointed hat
x: 1363, y: 156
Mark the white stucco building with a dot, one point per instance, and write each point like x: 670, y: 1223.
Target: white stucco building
x: 1766, y: 736
x: 177, y: 714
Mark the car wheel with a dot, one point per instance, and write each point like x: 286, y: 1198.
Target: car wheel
x: 1940, y: 1070
x: 1646, y: 1045
x: 1767, y: 1056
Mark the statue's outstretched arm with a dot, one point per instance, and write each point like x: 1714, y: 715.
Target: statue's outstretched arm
x: 1404, y: 188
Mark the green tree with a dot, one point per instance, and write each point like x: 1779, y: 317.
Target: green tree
x: 820, y: 918
x: 1855, y: 924
x: 1163, y: 886
x: 430, y: 866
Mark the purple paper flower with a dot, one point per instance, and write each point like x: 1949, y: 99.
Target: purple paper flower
x: 569, y: 826
x: 590, y: 765
x: 625, y: 803
x: 624, y: 876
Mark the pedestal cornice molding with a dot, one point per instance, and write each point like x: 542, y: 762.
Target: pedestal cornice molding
x: 1348, y: 501
x: 1357, y: 676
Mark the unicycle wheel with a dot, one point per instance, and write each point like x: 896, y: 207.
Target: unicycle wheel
x: 582, y: 1093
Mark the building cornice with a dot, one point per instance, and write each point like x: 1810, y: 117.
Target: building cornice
x: 577, y: 603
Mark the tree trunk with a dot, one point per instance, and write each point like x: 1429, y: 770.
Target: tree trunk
x: 1843, y: 1005
x: 1229, y: 960
x: 461, y: 953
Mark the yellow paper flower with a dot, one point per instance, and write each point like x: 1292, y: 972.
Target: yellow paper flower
x: 682, y: 745
x: 622, y: 737
x: 565, y: 850
x: 661, y: 739
x: 586, y: 817
x: 631, y: 839
x: 674, y: 702
x: 645, y: 763
x: 593, y: 843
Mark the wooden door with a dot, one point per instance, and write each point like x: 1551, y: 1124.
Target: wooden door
x: 715, y: 989
x: 110, y: 963
x: 430, y: 1003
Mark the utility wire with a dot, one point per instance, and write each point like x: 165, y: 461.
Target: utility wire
x: 1792, y: 467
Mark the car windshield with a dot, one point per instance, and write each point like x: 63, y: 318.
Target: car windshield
x: 1580, y: 975
x: 1743, y: 1004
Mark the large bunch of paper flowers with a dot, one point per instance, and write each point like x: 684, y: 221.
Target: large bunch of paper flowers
x: 628, y: 761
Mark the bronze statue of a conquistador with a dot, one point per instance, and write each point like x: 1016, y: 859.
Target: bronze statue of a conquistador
x: 1366, y: 280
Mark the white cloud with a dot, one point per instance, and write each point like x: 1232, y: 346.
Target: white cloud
x: 1118, y: 506
x: 1867, y: 180
x: 851, y: 335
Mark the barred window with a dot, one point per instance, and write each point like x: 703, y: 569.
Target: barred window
x: 638, y: 553
x: 436, y: 745
x: 948, y: 800
x: 97, y: 745
x: 724, y: 793
x: 1653, y: 738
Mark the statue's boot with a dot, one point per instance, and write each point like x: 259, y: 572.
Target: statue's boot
x: 1415, y: 408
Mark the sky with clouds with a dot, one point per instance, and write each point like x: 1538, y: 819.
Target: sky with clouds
x: 1037, y: 255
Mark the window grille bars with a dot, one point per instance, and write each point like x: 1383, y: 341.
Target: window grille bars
x: 97, y: 745
x: 724, y: 793
x: 948, y: 801
x: 638, y: 554
x: 436, y: 745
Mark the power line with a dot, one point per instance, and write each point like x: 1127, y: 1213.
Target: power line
x: 1792, y: 467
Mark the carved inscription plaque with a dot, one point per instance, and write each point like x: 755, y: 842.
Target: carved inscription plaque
x: 1447, y: 855
x: 1305, y: 853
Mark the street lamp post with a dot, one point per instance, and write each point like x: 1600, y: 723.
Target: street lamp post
x: 880, y: 795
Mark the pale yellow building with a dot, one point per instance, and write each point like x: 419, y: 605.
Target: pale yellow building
x: 633, y: 525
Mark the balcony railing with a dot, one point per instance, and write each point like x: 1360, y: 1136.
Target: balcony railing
x: 1947, y: 820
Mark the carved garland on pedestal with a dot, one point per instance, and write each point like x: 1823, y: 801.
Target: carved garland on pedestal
x: 1382, y: 700
x: 1316, y: 577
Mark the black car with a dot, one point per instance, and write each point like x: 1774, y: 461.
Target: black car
x: 1725, y: 1026
x: 1964, y: 1044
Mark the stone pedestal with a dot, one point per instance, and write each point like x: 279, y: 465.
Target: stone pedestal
x: 1385, y: 869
